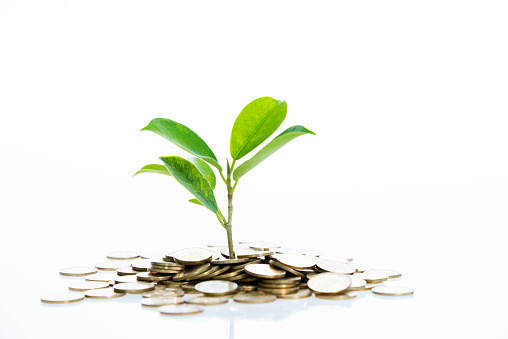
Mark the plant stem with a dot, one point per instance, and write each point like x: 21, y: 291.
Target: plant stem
x: 230, y: 212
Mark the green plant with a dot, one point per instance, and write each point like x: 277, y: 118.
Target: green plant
x: 256, y: 122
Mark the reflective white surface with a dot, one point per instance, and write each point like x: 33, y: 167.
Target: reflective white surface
x: 408, y: 169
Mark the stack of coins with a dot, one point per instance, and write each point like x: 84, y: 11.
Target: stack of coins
x: 259, y: 274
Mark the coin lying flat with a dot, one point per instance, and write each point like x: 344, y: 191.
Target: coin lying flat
x: 81, y: 286
x: 122, y: 255
x: 62, y: 298
x: 204, y: 300
x: 180, y: 309
x: 340, y: 296
x: 279, y: 291
x: 263, y: 245
x: 286, y: 268
x: 282, y: 281
x: 264, y: 271
x: 161, y: 301
x: 192, y: 256
x: 77, y: 271
x: 334, y: 266
x: 110, y: 265
x: 392, y: 274
x: 216, y: 287
x: 301, y: 293
x: 393, y: 290
x: 373, y: 278
x: 146, y: 276
x: 126, y: 279
x: 254, y: 298
x: 133, y: 288
x: 295, y: 261
x: 101, y: 277
x: 169, y: 292
x: 103, y: 293
x: 329, y: 283
x: 126, y: 271
x: 357, y: 283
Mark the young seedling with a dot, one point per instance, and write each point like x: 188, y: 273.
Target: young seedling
x: 256, y: 122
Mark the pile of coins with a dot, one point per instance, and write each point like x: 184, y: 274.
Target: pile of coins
x: 182, y: 282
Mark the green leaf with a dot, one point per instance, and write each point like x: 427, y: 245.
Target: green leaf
x: 255, y: 123
x: 183, y: 137
x: 204, y: 169
x: 154, y: 168
x: 189, y: 177
x: 196, y: 201
x: 270, y: 148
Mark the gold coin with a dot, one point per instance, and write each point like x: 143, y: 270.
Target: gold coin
x: 208, y: 273
x: 122, y: 255
x: 126, y: 279
x: 62, y: 298
x: 367, y: 287
x: 170, y: 292
x: 142, y: 265
x: 283, y: 281
x: 301, y: 293
x: 239, y: 277
x: 254, y: 298
x: 224, y: 261
x: 103, y: 293
x: 246, y: 253
x: 161, y: 301
x: 204, y: 300
x: 392, y: 274
x: 191, y: 272
x: 166, y: 264
x: 286, y: 268
x: 246, y: 288
x: 248, y: 280
x: 334, y: 266
x: 190, y: 288
x: 126, y: 271
x: 340, y: 296
x: 110, y: 265
x: 374, y: 278
x: 77, y: 271
x: 279, y: 291
x: 357, y: 283
x: 161, y: 270
x: 268, y: 285
x: 264, y: 271
x: 101, y: 277
x: 192, y: 256
x: 229, y: 274
x: 81, y: 286
x: 393, y: 290
x: 216, y: 287
x: 329, y: 283
x: 146, y: 276
x: 263, y: 246
x: 180, y: 309
x: 295, y: 261
x: 135, y: 288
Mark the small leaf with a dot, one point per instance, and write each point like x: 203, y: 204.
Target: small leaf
x: 189, y: 177
x: 154, y: 168
x: 183, y: 137
x: 270, y: 148
x: 195, y: 201
x: 255, y: 123
x: 204, y: 169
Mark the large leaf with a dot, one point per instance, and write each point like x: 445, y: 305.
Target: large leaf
x: 183, y: 137
x: 154, y: 168
x: 255, y: 123
x: 270, y: 148
x: 204, y: 169
x: 189, y: 176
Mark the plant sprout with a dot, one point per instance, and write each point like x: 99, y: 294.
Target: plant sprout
x: 256, y: 122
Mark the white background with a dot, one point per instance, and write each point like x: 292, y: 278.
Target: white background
x: 408, y: 169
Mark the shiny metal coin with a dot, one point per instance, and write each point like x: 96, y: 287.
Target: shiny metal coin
x: 264, y: 246
x: 192, y: 256
x: 122, y: 255
x: 135, y: 288
x: 77, y: 271
x: 191, y: 272
x: 126, y: 271
x: 295, y: 261
x: 340, y: 296
x: 141, y: 265
x: 216, y: 287
x: 264, y: 271
x: 204, y: 300
x: 283, y: 281
x: 357, y: 283
x: 267, y: 285
x: 161, y: 301
x: 166, y: 264
x: 126, y: 279
x: 302, y: 293
x: 169, y: 292
x: 147, y: 276
x: 190, y: 288
x: 392, y: 274
x: 329, y: 283
x: 254, y: 298
x: 180, y: 309
x: 334, y: 266
x: 81, y: 286
x: 246, y: 253
x: 62, y: 298
x: 367, y: 287
x: 393, y: 290
x: 103, y: 293
x: 224, y: 261
x: 246, y: 288
x: 101, y: 277
x: 279, y: 291
x: 211, y: 272
x: 111, y: 265
x: 373, y: 278
x: 286, y: 268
